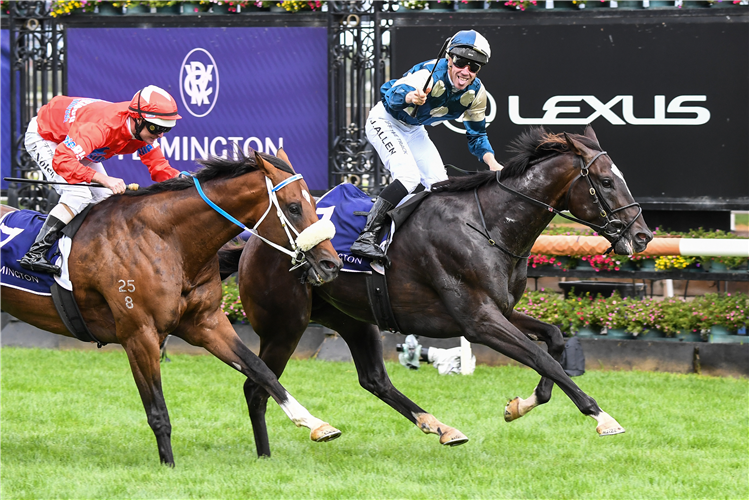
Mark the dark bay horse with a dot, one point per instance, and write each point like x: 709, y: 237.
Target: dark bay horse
x: 144, y: 265
x: 458, y: 269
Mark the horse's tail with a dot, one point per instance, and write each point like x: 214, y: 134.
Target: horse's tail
x: 228, y: 258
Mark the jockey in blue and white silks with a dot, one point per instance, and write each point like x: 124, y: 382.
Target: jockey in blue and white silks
x: 398, y: 134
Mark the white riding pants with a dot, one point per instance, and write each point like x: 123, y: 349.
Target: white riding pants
x: 405, y: 150
x: 42, y: 152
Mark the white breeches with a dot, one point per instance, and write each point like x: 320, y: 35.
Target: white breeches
x: 405, y: 150
x: 42, y: 152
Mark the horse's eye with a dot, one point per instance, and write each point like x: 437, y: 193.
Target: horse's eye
x: 295, y: 209
x: 607, y: 183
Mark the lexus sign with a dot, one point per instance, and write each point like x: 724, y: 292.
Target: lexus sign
x: 666, y: 92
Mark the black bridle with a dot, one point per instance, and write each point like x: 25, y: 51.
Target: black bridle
x: 614, y: 228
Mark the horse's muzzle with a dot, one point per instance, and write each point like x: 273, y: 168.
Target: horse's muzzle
x: 325, y: 271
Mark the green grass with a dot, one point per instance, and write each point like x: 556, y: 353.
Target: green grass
x: 73, y: 427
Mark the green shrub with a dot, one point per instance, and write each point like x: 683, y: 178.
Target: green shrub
x: 672, y: 316
x: 230, y: 302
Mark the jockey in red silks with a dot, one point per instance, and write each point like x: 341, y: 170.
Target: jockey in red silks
x: 71, y: 136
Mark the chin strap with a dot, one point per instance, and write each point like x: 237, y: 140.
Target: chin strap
x: 139, y: 128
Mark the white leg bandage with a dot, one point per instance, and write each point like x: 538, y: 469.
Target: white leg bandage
x: 299, y: 414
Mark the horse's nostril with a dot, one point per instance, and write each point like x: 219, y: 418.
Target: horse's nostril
x: 644, y: 237
x: 329, y: 265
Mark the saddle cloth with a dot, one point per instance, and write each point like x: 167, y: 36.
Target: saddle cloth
x: 18, y: 230
x: 339, y: 206
x: 347, y: 207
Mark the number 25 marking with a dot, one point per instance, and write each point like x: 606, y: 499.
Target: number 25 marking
x: 127, y: 286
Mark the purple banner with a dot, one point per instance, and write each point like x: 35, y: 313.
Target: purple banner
x: 5, y: 138
x: 246, y: 88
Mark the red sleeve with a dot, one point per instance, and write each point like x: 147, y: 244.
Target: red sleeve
x: 158, y: 166
x: 80, y: 141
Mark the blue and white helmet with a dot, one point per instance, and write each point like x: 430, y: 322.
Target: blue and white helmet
x: 471, y: 45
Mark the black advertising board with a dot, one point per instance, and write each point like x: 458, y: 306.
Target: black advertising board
x: 668, y: 95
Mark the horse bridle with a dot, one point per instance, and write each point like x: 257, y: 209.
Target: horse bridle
x: 298, y: 251
x: 614, y: 228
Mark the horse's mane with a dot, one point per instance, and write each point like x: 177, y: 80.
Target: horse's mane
x: 213, y: 168
x: 530, y: 147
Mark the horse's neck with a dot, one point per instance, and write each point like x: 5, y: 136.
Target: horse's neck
x: 516, y: 221
x: 202, y: 229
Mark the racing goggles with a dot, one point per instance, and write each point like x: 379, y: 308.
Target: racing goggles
x: 462, y: 62
x: 157, y: 129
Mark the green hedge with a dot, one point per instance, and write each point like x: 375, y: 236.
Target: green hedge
x: 671, y: 316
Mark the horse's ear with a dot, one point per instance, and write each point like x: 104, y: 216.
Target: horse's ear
x: 283, y: 156
x: 590, y: 134
x: 577, y: 147
x: 263, y: 166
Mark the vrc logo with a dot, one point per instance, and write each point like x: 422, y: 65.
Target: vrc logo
x: 199, y: 82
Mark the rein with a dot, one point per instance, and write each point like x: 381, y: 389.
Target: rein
x: 298, y: 257
x: 485, y: 232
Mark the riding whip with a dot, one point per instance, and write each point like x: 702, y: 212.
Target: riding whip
x: 426, y: 85
x: 129, y: 187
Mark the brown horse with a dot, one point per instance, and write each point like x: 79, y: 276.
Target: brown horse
x: 458, y: 269
x: 144, y: 266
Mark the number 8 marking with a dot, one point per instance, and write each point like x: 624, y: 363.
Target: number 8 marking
x: 129, y: 302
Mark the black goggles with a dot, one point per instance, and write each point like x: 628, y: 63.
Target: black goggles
x: 157, y: 129
x: 462, y: 62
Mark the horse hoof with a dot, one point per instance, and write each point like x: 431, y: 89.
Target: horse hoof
x: 607, y: 425
x: 512, y: 410
x: 453, y: 438
x: 610, y: 431
x: 325, y: 432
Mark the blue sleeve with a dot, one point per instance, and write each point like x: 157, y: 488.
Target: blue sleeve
x: 395, y: 95
x: 394, y: 92
x: 478, y: 142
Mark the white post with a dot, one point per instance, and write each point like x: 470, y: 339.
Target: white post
x: 549, y: 4
x: 465, y: 356
x: 668, y: 288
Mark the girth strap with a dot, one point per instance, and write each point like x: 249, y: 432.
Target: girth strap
x: 71, y: 315
x: 379, y: 301
x: 64, y: 300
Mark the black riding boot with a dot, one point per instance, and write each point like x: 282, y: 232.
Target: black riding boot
x: 35, y: 259
x: 366, y: 244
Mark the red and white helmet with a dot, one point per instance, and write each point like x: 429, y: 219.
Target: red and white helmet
x: 155, y: 105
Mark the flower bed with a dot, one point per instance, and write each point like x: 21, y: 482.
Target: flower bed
x: 671, y: 317
x: 230, y: 302
x: 67, y: 7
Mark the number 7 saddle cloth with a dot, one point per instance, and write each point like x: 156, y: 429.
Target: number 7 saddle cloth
x: 18, y: 230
